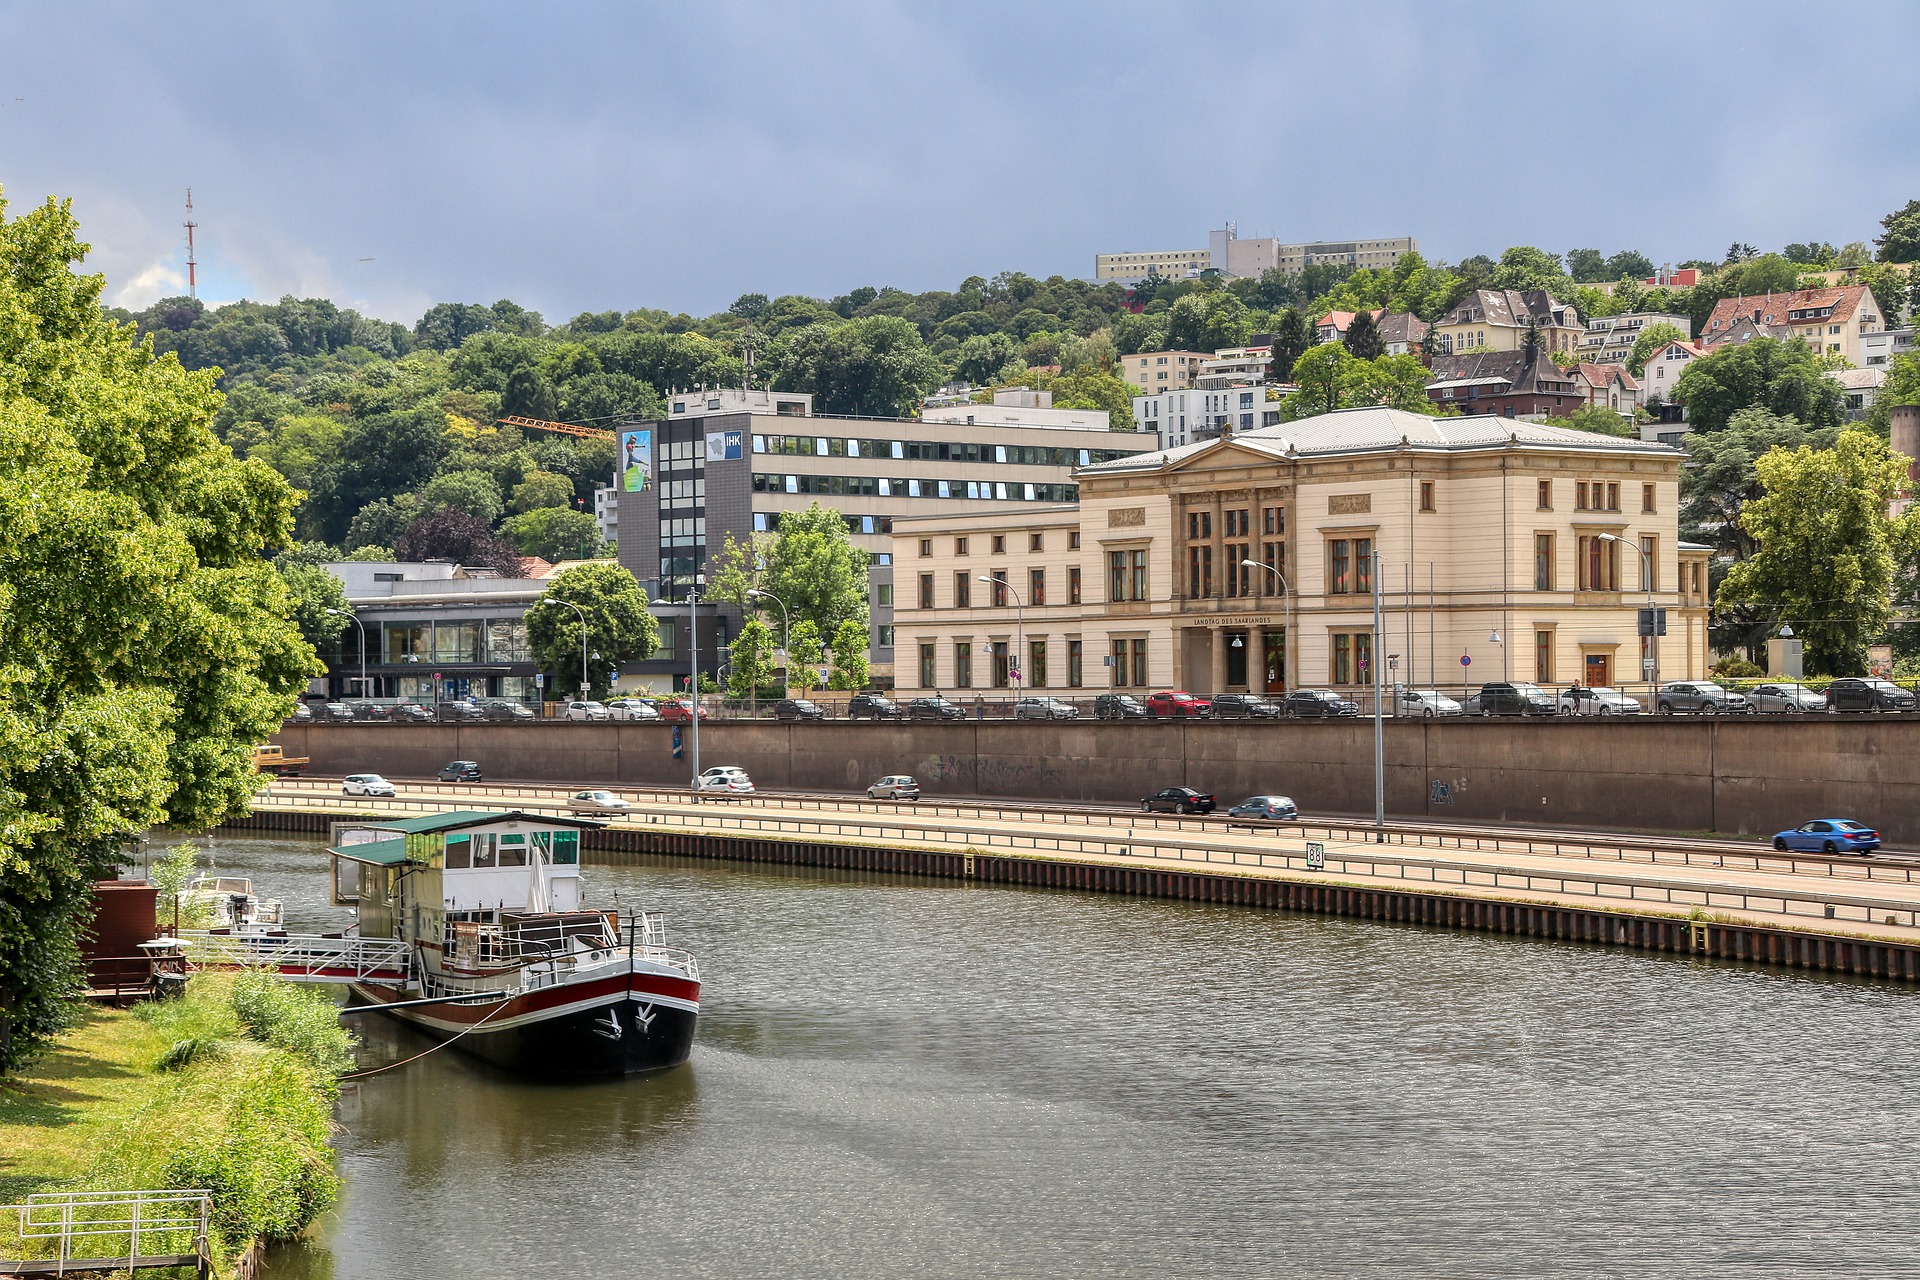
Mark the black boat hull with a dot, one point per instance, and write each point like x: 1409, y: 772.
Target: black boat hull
x: 629, y: 1036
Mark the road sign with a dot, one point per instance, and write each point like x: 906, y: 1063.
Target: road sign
x: 1316, y: 856
x: 676, y: 742
x: 1466, y: 660
x: 1653, y: 622
x: 540, y: 680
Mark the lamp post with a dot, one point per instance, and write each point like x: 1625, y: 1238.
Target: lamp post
x: 1379, y: 722
x: 693, y: 678
x: 342, y: 613
x: 1019, y: 629
x: 1288, y: 660
x: 583, y: 639
x: 1653, y: 615
x: 786, y: 634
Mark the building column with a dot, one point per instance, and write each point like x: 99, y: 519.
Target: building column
x: 1218, y: 666
x: 1177, y: 674
x: 1256, y: 659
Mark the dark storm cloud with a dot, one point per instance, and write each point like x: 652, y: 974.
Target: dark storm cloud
x: 593, y: 156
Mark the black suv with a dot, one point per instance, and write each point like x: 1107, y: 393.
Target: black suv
x: 1318, y: 704
x: 459, y: 711
x: 364, y: 710
x: 501, y: 709
x: 1500, y: 698
x: 791, y: 709
x: 1854, y: 693
x: 1118, y: 706
x: 1245, y: 706
x: 872, y: 706
x: 411, y: 711
x: 459, y: 771
x: 934, y: 709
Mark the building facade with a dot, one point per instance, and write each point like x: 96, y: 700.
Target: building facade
x: 1132, y: 268
x: 1497, y: 320
x: 1832, y: 321
x: 1509, y: 383
x: 1153, y: 371
x: 1250, y: 258
x: 1506, y: 550
x: 1182, y: 417
x: 1610, y: 339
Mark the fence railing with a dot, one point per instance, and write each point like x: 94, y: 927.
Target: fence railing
x: 301, y: 957
x: 64, y: 1231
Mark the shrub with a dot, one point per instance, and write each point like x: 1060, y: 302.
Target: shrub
x: 1736, y: 669
x: 300, y: 1020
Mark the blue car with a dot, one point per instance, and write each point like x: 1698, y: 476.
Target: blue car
x: 1273, y: 808
x: 1829, y: 835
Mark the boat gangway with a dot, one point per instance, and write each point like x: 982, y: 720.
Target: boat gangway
x: 300, y: 957
x: 62, y: 1232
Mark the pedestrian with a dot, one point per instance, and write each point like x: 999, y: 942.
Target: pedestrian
x: 979, y: 706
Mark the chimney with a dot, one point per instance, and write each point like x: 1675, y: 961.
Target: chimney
x: 1904, y: 435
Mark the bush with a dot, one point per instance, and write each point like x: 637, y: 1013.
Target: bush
x: 299, y: 1020
x: 1736, y: 669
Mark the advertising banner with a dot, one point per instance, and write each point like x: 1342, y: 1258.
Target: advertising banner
x: 636, y: 460
x: 726, y: 446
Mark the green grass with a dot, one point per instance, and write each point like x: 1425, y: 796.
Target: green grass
x: 55, y: 1114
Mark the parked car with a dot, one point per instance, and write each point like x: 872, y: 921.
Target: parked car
x: 873, y: 706
x: 501, y: 709
x: 333, y: 713
x: 596, y: 802
x: 1793, y: 699
x: 1039, y: 708
x: 679, y: 710
x: 1318, y: 704
x: 1511, y: 698
x: 934, y: 708
x: 460, y: 712
x: 897, y: 786
x: 1701, y: 697
x: 1118, y: 706
x: 725, y: 778
x: 1829, y: 835
x: 364, y: 710
x: 365, y: 784
x: 1853, y: 693
x: 586, y: 711
x: 1178, y: 800
x: 1599, y: 700
x: 459, y: 771
x: 302, y: 714
x: 1245, y: 706
x: 1425, y: 703
x: 412, y: 712
x: 1273, y: 808
x: 1176, y: 704
x: 633, y: 709
x: 791, y: 709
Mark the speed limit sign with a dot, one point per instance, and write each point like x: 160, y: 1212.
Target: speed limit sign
x: 1316, y: 856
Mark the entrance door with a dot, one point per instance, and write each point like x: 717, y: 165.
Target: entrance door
x: 1599, y: 670
x: 1276, y: 658
x: 1236, y: 642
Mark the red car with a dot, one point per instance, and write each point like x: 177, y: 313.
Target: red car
x: 680, y: 709
x: 1177, y: 705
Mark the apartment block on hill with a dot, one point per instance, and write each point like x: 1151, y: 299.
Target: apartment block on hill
x: 1152, y: 371
x: 1832, y: 321
x: 1610, y: 339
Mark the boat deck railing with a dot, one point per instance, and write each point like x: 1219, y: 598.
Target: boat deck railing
x: 301, y: 957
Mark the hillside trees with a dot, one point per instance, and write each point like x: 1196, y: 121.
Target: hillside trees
x: 1782, y: 377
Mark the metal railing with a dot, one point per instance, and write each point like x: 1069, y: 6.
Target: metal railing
x: 301, y: 957
x: 66, y: 1231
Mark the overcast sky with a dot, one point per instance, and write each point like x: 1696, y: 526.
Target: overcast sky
x: 592, y: 156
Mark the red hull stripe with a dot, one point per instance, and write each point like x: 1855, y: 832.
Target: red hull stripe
x: 545, y: 1003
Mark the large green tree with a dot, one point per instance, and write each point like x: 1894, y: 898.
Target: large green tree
x: 1899, y: 241
x: 750, y: 660
x: 1323, y: 379
x: 1782, y: 377
x: 1825, y: 549
x: 810, y: 565
x: 146, y: 642
x: 874, y: 366
x: 619, y: 628
x: 1653, y: 338
x: 1362, y: 340
x: 381, y: 456
x: 556, y: 533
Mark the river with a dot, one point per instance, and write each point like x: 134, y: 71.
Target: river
x: 915, y: 1078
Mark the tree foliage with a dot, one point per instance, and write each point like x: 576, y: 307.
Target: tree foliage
x: 803, y: 656
x: 448, y: 533
x: 849, y: 653
x: 1362, y: 340
x: 146, y: 642
x: 750, y: 660
x: 619, y: 628
x: 1825, y: 550
x: 1782, y: 377
x: 1899, y: 239
x: 1654, y: 337
x: 1721, y: 476
x: 875, y: 366
x: 810, y: 565
x: 557, y: 533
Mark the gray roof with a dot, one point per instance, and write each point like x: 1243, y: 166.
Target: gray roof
x: 1508, y: 307
x: 1539, y: 375
x: 1381, y: 430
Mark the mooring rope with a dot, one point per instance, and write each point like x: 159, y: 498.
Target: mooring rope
x: 374, y: 1071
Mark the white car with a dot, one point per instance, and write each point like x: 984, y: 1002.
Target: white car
x: 896, y: 786
x: 1426, y: 703
x: 728, y: 778
x: 1597, y: 701
x: 596, y: 802
x: 633, y: 709
x: 587, y: 711
x: 365, y: 784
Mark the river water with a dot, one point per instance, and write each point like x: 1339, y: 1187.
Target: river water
x: 910, y: 1078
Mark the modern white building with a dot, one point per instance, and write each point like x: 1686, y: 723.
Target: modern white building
x: 1018, y: 407
x: 1182, y: 417
x: 1228, y: 254
x: 1610, y: 339
x: 1878, y: 350
x: 606, y: 512
x: 1235, y: 367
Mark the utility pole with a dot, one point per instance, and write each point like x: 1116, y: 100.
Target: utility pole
x: 693, y: 679
x: 192, y: 282
x: 1379, y: 726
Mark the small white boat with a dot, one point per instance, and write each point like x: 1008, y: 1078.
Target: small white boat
x: 233, y: 903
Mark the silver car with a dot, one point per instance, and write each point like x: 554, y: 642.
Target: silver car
x: 897, y: 786
x: 1426, y: 703
x: 1598, y: 700
x: 1776, y: 699
x: 596, y: 802
x: 1044, y: 709
x: 1699, y: 697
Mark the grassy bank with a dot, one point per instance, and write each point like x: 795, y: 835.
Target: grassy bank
x: 230, y: 1088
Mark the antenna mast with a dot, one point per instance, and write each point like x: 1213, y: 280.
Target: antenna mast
x: 747, y: 350
x: 192, y: 282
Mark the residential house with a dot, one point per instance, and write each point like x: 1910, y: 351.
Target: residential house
x: 1878, y: 350
x: 1608, y: 386
x: 1498, y: 319
x: 1610, y: 339
x: 1235, y: 367
x: 1663, y: 369
x: 1511, y: 384
x: 1861, y: 387
x: 1831, y: 321
x: 1403, y: 332
x: 1182, y: 417
x: 1154, y: 371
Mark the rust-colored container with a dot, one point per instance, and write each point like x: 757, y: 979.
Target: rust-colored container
x: 123, y: 919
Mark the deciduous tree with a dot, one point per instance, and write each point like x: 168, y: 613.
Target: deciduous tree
x: 1899, y: 241
x: 619, y: 627
x: 556, y: 533
x: 1363, y: 341
x: 448, y: 533
x: 1322, y: 378
x: 849, y: 657
x: 1653, y: 338
x: 1781, y: 377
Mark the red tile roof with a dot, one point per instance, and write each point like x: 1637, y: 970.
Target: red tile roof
x: 1775, y: 308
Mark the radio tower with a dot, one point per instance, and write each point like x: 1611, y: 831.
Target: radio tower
x: 191, y: 224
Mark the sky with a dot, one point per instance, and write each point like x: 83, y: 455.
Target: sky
x: 586, y: 156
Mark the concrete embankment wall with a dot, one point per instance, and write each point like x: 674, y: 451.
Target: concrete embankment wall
x: 1737, y: 776
x: 1721, y: 940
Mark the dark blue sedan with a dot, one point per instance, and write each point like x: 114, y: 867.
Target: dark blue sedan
x: 1829, y: 835
x: 1273, y: 808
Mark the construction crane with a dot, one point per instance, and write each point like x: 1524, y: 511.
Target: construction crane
x: 563, y: 428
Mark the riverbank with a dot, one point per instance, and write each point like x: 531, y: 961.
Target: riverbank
x: 228, y: 1089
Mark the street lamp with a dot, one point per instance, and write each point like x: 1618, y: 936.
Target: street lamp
x: 1379, y: 724
x: 1019, y: 629
x: 342, y: 613
x: 1287, y: 591
x: 786, y: 634
x: 1653, y: 615
x: 583, y: 639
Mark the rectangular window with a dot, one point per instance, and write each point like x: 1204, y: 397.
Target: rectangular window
x: 1613, y: 497
x: 1363, y: 565
x: 1076, y: 664
x: 926, y: 546
x: 1120, y: 669
x: 1543, y: 562
x: 1543, y: 657
x: 1139, y: 663
x: 1545, y: 500
x: 926, y: 591
x: 1650, y: 566
x: 1646, y: 497
x: 1237, y: 526
x: 1199, y: 525
x: 929, y: 673
x: 1580, y: 495
x: 1073, y: 585
x: 1036, y: 664
x: 1000, y: 672
x: 1036, y: 587
x: 1035, y: 541
x: 962, y: 591
x: 1199, y: 573
x: 1117, y: 569
x: 883, y: 637
x: 999, y: 587
x: 1599, y: 564
x: 1073, y: 539
x: 999, y: 543
x: 1237, y: 575
x: 1352, y: 657
x: 959, y: 544
x: 883, y: 594
x: 1339, y: 567
x: 963, y: 664
x: 1139, y: 575
x: 1426, y: 495
x: 1273, y: 521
